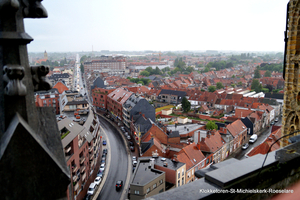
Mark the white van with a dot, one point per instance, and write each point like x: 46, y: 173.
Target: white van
x: 253, y: 138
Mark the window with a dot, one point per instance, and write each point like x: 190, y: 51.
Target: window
x: 136, y: 192
x: 154, y: 186
x: 44, y: 101
x: 148, y: 190
x: 160, y: 181
x: 182, y: 182
x: 49, y: 100
x: 182, y: 172
x: 178, y: 183
x: 189, y: 174
x: 192, y: 171
x: 178, y: 175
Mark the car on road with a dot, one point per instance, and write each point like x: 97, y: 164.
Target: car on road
x: 133, y: 168
x: 104, y: 142
x: 128, y: 137
x: 272, y: 123
x: 102, y: 167
x: 119, y: 184
x: 276, y: 119
x: 102, y: 161
x: 87, y: 197
x: 134, y: 158
x: 253, y: 138
x: 131, y: 143
x: 100, y: 174
x: 132, y: 148
x: 134, y: 163
x: 97, y: 180
x: 104, y: 151
x: 91, y: 189
x: 245, y: 146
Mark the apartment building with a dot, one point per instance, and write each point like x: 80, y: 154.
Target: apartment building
x: 106, y: 64
x: 48, y: 98
x: 82, y: 145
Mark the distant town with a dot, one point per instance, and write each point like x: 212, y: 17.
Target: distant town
x: 142, y: 123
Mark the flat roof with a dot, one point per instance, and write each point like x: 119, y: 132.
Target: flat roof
x: 174, y: 165
x: 143, y: 174
x: 182, y: 130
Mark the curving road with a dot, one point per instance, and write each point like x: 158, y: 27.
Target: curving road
x: 118, y: 167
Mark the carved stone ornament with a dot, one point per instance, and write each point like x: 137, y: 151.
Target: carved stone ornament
x: 38, y: 78
x: 13, y: 75
x: 34, y: 9
x: 9, y: 5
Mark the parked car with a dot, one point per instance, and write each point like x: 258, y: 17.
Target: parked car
x: 133, y: 168
x: 102, y: 161
x: 134, y: 158
x: 97, y: 180
x: 253, y: 138
x: 128, y: 137
x: 100, y: 174
x: 104, y: 151
x: 132, y: 148
x: 104, y: 142
x: 87, y: 197
x: 102, y: 167
x: 131, y: 143
x: 245, y: 146
x: 276, y: 119
x: 272, y: 123
x: 91, y: 189
x: 119, y: 184
x: 134, y: 163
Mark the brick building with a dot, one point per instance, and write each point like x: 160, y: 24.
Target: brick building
x: 106, y: 64
x: 48, y: 98
x: 99, y: 96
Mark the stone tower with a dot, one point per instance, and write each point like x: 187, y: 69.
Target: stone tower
x: 291, y: 108
x: 32, y: 162
x: 45, y: 55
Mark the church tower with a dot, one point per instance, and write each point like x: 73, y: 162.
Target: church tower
x: 45, y: 55
x: 291, y: 107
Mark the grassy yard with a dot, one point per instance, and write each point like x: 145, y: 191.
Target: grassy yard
x: 162, y: 108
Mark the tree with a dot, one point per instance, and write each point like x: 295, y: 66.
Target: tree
x: 256, y: 85
x: 265, y: 90
x: 219, y: 85
x: 186, y: 105
x: 267, y: 74
x: 257, y: 73
x: 232, y: 85
x: 140, y: 82
x: 211, y: 88
x: 81, y: 68
x: 233, y: 76
x: 145, y: 73
x: 240, y: 83
x: 211, y: 125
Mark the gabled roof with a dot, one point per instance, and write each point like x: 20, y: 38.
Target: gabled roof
x: 212, y: 142
x: 120, y: 95
x: 60, y: 87
x: 236, y: 128
x: 190, y: 155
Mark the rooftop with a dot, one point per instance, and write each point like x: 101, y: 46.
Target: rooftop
x: 144, y: 174
x: 174, y: 165
x: 184, y: 129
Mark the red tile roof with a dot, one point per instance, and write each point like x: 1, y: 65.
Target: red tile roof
x: 190, y: 155
x: 236, y: 127
x: 60, y: 87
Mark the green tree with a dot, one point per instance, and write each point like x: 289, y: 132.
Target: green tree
x: 81, y: 68
x: 140, y: 82
x: 256, y: 86
x: 219, y: 85
x: 145, y: 73
x: 189, y: 69
x: 186, y: 105
x: 265, y: 90
x: 233, y: 76
x: 232, y: 85
x: 211, y: 126
x: 211, y: 88
x: 200, y: 65
x: 257, y: 73
x: 267, y: 74
x: 240, y: 83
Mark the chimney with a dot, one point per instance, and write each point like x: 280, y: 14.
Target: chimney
x: 198, y: 145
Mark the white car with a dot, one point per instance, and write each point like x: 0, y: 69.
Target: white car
x: 134, y: 163
x: 102, y: 167
x: 91, y: 189
x: 134, y: 158
x: 97, y: 180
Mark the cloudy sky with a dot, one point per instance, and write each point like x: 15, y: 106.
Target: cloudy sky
x: 159, y: 25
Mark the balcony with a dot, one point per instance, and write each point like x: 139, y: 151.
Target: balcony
x: 82, y: 159
x: 76, y: 186
x: 83, y: 177
x: 67, y: 150
x: 75, y: 177
x: 91, y: 157
x: 74, y: 168
x: 82, y: 169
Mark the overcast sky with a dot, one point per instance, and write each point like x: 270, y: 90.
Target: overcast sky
x: 159, y: 25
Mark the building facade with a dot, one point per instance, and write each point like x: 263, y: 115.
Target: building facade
x: 106, y: 64
x: 49, y: 98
